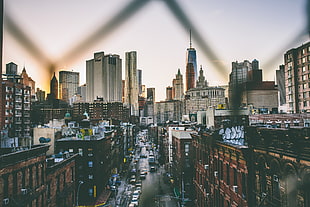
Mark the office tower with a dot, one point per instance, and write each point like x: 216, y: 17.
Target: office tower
x: 280, y: 74
x: 178, y: 87
x: 150, y: 94
x: 140, y: 82
x: 143, y: 94
x: 297, y: 81
x: 191, y: 59
x: 168, y: 93
x: 104, y: 78
x: 190, y: 76
x: 237, y: 77
x: 40, y: 95
x: 81, y: 90
x: 54, y: 87
x: 131, y: 83
x: 69, y: 81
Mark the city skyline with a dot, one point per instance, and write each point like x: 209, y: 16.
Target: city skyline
x: 242, y: 31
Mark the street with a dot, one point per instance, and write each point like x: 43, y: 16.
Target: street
x: 154, y: 192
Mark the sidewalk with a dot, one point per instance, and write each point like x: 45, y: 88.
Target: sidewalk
x: 103, y: 198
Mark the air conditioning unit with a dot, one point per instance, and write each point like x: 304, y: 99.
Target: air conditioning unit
x: 235, y: 188
x: 215, y: 173
x: 206, y: 167
x: 24, y: 191
x: 6, y: 201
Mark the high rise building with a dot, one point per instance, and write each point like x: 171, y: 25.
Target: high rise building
x: 54, y: 87
x: 150, y: 96
x: 15, y: 112
x: 131, y: 83
x: 140, y: 82
x: 178, y: 87
x: 190, y: 76
x: 238, y: 76
x: 168, y: 93
x: 69, y: 81
x: 280, y: 74
x: 191, y: 66
x: 297, y: 81
x: 104, y: 78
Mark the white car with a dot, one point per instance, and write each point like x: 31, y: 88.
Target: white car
x: 134, y: 201
x: 136, y: 194
x: 138, y: 189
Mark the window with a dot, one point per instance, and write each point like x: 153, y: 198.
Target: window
x: 186, y: 147
x: 90, y: 192
x: 81, y: 151
x: 305, y: 103
x: 71, y: 150
x: 227, y: 174
x: 90, y: 163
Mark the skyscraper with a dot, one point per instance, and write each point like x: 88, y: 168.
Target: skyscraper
x: 69, y: 81
x: 168, y: 93
x: 190, y: 76
x: 297, y: 81
x: 140, y: 82
x: 191, y: 59
x: 150, y: 96
x: 54, y: 87
x: 131, y: 83
x: 104, y: 78
x: 178, y: 87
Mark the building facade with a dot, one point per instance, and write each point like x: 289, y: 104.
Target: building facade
x: 168, y: 111
x: 69, y: 81
x: 281, y: 166
x: 104, y: 78
x: 131, y: 83
x: 15, y: 110
x: 23, y: 177
x: 297, y: 82
x: 178, y: 87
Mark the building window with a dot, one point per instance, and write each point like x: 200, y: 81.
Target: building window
x: 81, y: 151
x: 235, y: 176
x: 244, y: 186
x: 90, y: 163
x: 305, y: 103
x: 70, y: 150
x: 186, y: 147
x: 303, y: 68
x: 90, y: 192
x: 227, y: 174
x: 72, y: 174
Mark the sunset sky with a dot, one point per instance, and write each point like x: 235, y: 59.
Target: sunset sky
x: 231, y: 30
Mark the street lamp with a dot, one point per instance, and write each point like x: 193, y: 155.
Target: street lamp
x: 77, y: 193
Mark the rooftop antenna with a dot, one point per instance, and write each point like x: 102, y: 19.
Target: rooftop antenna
x: 190, y: 38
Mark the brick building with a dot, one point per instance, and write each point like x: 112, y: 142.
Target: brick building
x: 93, y: 165
x: 60, y: 181
x: 281, y: 166
x: 182, y: 166
x: 23, y: 176
x: 222, y: 172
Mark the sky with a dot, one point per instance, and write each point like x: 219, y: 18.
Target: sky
x: 47, y: 36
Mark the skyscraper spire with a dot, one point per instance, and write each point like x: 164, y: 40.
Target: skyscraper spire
x: 190, y: 38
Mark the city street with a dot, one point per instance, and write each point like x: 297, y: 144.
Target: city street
x: 154, y: 192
